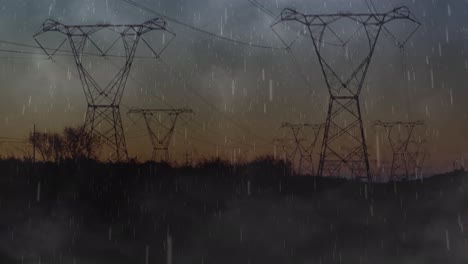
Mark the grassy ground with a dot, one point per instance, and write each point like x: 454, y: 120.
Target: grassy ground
x: 99, y: 214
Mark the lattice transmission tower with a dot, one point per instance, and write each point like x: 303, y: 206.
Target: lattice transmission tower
x: 282, y: 144
x: 161, y: 125
x: 303, y: 140
x: 105, y: 41
x: 406, y: 144
x: 344, y: 149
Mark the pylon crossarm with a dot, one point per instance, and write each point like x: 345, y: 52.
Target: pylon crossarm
x: 155, y: 24
x: 326, y: 19
x: 399, y: 13
x: 126, y: 32
x: 344, y: 91
x: 104, y: 99
x: 150, y: 25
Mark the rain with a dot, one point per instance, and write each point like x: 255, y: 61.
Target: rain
x: 233, y: 131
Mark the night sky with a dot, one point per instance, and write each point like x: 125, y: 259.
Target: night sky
x: 240, y: 94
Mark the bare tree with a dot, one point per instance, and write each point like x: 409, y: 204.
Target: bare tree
x: 75, y: 143
x: 80, y: 144
x: 49, y: 145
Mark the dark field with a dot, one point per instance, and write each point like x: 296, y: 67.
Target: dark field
x: 215, y: 213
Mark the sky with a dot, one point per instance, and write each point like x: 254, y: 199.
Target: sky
x: 240, y: 94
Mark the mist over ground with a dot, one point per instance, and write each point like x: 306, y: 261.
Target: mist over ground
x: 217, y: 213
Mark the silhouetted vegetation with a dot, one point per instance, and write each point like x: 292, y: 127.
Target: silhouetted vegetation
x: 74, y: 143
x: 215, y: 206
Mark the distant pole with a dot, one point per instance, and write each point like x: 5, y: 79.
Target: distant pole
x: 34, y: 143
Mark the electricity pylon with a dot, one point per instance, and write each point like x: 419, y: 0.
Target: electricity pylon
x: 283, y: 144
x: 304, y: 145
x: 160, y: 128
x: 406, y: 146
x: 344, y: 149
x: 103, y: 113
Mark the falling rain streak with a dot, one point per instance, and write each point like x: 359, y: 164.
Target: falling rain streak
x: 233, y: 131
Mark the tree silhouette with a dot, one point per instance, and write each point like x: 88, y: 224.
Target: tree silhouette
x: 75, y: 143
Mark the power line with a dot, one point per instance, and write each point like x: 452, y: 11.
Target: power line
x: 192, y: 27
x: 264, y: 9
x: 104, y: 101
x: 214, y: 107
x: 176, y: 131
x: 199, y: 95
x: 20, y: 44
x: 299, y: 69
x: 21, y: 52
x: 345, y: 94
x: 192, y: 90
x: 66, y: 53
x: 204, y: 128
x: 168, y: 18
x: 3, y: 139
x: 196, y: 93
x: 21, y: 58
x: 209, y: 104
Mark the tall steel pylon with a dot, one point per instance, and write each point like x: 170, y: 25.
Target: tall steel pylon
x: 344, y: 148
x: 406, y: 146
x: 160, y: 131
x: 303, y: 145
x: 283, y: 144
x: 103, y: 113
